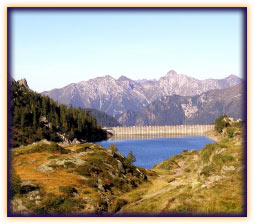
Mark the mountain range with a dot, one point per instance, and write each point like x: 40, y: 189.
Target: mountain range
x: 198, y: 109
x: 118, y: 96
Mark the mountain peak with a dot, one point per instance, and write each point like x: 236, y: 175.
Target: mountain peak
x: 171, y: 73
x: 123, y: 78
x: 23, y: 82
x: 232, y: 77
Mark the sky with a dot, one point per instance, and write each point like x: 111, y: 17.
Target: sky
x: 52, y: 49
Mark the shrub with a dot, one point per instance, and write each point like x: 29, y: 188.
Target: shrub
x: 92, y: 182
x: 50, y: 204
x: 83, y: 171
x: 207, y: 151
x: 205, y: 157
x: 230, y: 132
x: 57, y: 204
x: 221, y: 159
x: 15, y: 182
x: 117, y: 205
x: 113, y: 148
x: 68, y: 190
x: 207, y: 170
x: 69, y: 164
x: 83, y: 149
x: 220, y: 123
x: 42, y: 147
x: 131, y: 158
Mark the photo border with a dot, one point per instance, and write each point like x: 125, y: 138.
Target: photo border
x: 8, y: 50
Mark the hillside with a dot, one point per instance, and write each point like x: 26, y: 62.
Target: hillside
x: 103, y: 119
x: 115, y: 96
x: 209, y: 181
x: 79, y: 179
x: 35, y: 117
x: 199, y: 109
x: 89, y: 179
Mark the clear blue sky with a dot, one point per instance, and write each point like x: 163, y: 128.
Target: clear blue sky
x: 53, y: 49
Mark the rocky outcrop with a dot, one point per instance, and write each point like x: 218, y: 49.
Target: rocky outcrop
x: 23, y: 82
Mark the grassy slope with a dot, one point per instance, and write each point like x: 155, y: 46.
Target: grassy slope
x: 83, y: 178
x: 88, y: 178
x: 205, y: 181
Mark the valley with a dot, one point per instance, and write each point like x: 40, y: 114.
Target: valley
x: 87, y: 179
x: 58, y: 169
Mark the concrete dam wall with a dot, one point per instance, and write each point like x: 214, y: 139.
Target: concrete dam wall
x: 154, y: 130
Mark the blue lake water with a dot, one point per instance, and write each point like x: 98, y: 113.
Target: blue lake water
x: 149, y: 152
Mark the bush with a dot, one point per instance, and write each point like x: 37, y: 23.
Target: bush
x: 221, y: 122
x: 131, y: 158
x: 83, y: 149
x: 230, y: 132
x: 207, y: 170
x: 52, y: 147
x: 68, y: 190
x: 207, y: 151
x: 113, y: 148
x: 83, y: 171
x: 222, y: 159
x: 55, y: 204
x: 69, y: 164
x: 117, y: 205
x: 15, y: 182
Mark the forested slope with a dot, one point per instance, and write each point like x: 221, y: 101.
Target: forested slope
x: 34, y: 117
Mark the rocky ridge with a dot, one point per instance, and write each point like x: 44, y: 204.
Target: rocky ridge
x: 178, y: 110
x: 115, y: 96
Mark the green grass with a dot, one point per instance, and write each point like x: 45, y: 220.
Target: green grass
x: 40, y: 147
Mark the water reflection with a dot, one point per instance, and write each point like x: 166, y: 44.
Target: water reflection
x: 150, y: 136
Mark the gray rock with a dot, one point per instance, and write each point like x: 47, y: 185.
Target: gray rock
x: 28, y: 186
x: 228, y: 168
x: 18, y: 207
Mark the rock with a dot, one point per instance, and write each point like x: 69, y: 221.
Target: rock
x: 195, y: 183
x: 75, y: 141
x: 34, y: 195
x: 18, y: 207
x: 23, y: 82
x: 228, y: 168
x: 45, y: 167
x: 238, y: 143
x: 214, y: 178
x: 120, y: 166
x: 43, y: 119
x: 27, y: 186
x: 220, y: 150
x: 100, y: 185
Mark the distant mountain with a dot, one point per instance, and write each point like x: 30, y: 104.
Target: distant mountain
x: 199, y: 109
x: 115, y: 96
x: 103, y: 119
x: 144, y: 80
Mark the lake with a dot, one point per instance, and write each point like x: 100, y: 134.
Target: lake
x: 149, y: 152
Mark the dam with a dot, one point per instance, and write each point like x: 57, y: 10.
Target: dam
x: 159, y: 130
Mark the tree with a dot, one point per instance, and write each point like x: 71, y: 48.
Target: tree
x: 28, y: 108
x: 131, y: 158
x: 230, y: 132
x: 221, y: 122
x: 113, y: 148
